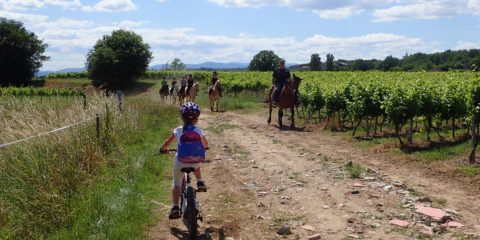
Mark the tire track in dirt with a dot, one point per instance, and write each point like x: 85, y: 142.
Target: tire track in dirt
x: 261, y: 178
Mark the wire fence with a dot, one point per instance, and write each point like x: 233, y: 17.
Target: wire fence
x: 97, y: 118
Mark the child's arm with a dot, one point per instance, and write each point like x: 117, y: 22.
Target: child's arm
x: 204, y: 142
x: 167, y: 142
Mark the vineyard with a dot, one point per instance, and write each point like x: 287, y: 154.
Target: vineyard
x: 31, y: 92
x: 377, y: 102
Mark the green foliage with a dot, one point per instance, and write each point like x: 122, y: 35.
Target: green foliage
x: 118, y: 60
x: 330, y: 58
x: 315, y: 62
x: 21, y: 53
x: 177, y: 64
x: 30, y: 92
x: 390, y: 63
x: 265, y: 60
x: 354, y: 169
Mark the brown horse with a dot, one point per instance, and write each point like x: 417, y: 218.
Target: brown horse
x: 164, y: 92
x: 214, y: 95
x: 182, y: 95
x: 286, y: 100
x: 191, y: 93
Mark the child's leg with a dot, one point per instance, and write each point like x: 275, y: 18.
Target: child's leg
x: 175, y: 195
x: 198, y: 174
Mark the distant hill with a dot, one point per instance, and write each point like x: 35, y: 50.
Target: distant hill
x: 208, y: 65
x: 65, y: 70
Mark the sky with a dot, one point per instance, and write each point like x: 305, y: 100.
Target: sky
x: 197, y: 31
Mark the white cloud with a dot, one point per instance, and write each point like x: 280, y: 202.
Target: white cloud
x: 115, y: 6
x: 466, y: 45
x: 100, y: 6
x: 423, y: 10
x: 15, y: 5
x: 26, y: 18
x: 382, y: 11
x: 192, y: 47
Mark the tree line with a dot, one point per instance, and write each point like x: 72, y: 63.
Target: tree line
x: 118, y: 59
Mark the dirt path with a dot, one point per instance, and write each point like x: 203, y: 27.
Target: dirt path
x: 261, y: 178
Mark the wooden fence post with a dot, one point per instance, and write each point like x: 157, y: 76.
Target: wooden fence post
x: 97, y: 119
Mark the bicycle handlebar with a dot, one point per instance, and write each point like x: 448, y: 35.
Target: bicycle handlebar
x: 162, y: 151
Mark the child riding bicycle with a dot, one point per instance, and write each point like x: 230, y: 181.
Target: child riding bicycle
x: 190, y: 153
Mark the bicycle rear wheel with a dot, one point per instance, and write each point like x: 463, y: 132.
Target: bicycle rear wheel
x: 191, y: 214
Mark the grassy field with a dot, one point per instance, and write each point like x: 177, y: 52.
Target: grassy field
x: 73, y: 185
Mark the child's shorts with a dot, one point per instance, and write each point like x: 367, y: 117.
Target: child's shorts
x: 177, y: 173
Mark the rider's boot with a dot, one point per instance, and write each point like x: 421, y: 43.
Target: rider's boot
x: 201, y: 187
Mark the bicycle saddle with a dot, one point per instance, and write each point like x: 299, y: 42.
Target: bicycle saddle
x: 188, y: 170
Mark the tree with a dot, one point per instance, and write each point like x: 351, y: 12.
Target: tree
x: 389, y: 63
x: 177, y: 64
x: 21, y: 53
x: 315, y: 62
x: 265, y: 60
x: 118, y: 60
x: 330, y: 58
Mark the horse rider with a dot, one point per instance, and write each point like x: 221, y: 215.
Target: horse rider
x: 214, y: 80
x: 279, y: 77
x: 189, y: 83
x: 164, y: 84
x: 174, y: 83
x: 183, y: 84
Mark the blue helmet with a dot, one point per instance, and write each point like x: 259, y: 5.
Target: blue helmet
x: 190, y: 110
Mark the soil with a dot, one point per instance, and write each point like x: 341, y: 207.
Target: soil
x: 261, y: 178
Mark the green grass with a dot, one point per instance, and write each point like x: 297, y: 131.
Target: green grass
x: 470, y: 170
x: 219, y: 127
x: 61, y: 189
x: 354, y: 169
x: 244, y: 101
x: 445, y: 153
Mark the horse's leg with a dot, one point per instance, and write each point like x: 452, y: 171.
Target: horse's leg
x: 211, y: 103
x: 280, y: 116
x: 292, y: 110
x: 270, y: 107
x: 218, y: 100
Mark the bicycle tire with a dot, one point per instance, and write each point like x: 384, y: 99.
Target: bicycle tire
x: 191, y: 214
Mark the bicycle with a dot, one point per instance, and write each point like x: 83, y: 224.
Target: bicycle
x: 189, y: 206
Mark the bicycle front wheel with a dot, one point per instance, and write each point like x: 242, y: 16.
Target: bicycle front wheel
x: 191, y: 214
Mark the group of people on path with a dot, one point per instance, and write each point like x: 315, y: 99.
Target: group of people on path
x: 186, y: 83
x: 197, y: 143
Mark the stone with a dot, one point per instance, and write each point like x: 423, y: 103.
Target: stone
x: 369, y: 178
x: 260, y: 204
x: 435, y: 213
x: 439, y: 229
x: 261, y: 194
x: 453, y: 224
x: 355, y: 192
x: 424, y: 199
x: 308, y: 227
x: 359, y: 185
x: 260, y: 217
x: 397, y: 184
x: 326, y: 207
x: 387, y: 188
x: 229, y: 238
x: 353, y: 236
x: 399, y: 223
x: 452, y: 212
x: 427, y: 230
x: 284, y: 230
x: 314, y: 237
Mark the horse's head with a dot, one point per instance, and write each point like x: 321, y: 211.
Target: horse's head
x: 296, y: 81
